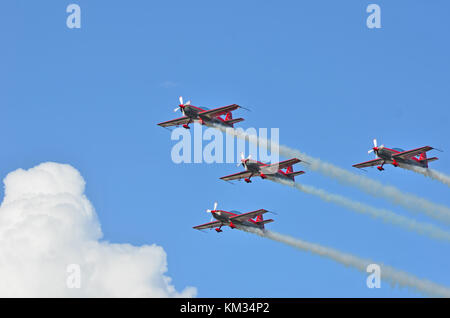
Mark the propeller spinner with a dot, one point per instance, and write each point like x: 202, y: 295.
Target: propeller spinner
x: 375, y: 148
x: 244, y: 160
x: 182, y: 105
x: 213, y: 210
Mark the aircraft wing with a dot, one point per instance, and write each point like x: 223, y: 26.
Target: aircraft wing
x: 411, y: 153
x: 175, y: 122
x: 369, y: 163
x: 391, y: 151
x: 208, y: 225
x: 218, y: 111
x: 249, y: 215
x: 239, y: 175
x: 283, y: 164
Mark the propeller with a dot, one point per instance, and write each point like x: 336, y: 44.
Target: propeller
x: 213, y: 210
x: 244, y: 160
x: 375, y: 148
x: 182, y: 105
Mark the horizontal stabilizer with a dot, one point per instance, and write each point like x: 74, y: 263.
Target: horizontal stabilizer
x: 429, y: 159
x: 266, y: 221
x: 296, y: 173
x: 234, y: 121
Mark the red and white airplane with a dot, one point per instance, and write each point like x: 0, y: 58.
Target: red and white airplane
x: 397, y: 157
x: 265, y: 171
x: 234, y: 219
x: 203, y: 115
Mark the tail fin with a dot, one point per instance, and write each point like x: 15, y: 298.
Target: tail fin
x: 293, y: 174
x: 260, y: 219
x: 425, y: 161
x: 423, y: 158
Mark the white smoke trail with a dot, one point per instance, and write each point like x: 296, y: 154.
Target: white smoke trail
x: 388, y: 273
x: 372, y: 187
x: 386, y: 215
x: 430, y: 173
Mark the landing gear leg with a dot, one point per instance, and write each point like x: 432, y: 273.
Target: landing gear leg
x: 186, y: 126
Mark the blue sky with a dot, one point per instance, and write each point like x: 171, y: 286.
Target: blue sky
x: 92, y: 98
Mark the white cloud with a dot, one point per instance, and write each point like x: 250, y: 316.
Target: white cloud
x: 47, y: 223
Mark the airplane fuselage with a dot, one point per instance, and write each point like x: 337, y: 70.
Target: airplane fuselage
x: 224, y: 217
x: 257, y: 169
x: 194, y: 114
x: 386, y: 155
